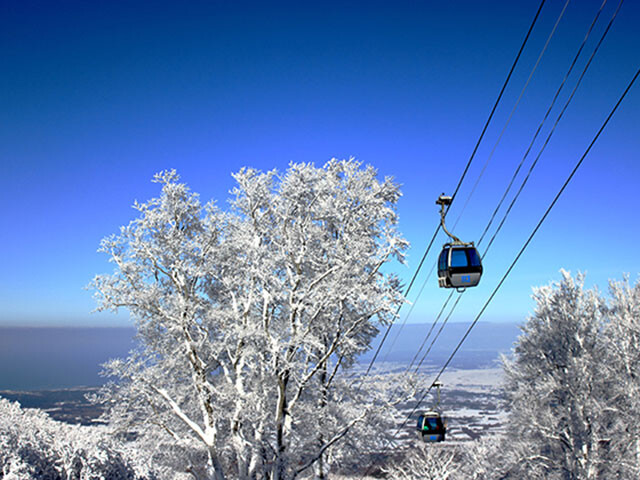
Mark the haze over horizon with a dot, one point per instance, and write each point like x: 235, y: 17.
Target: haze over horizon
x: 44, y: 358
x: 97, y: 97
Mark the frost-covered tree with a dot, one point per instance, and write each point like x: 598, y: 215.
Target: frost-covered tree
x: 32, y: 445
x: 247, y: 318
x: 573, y: 385
x: 424, y: 462
x: 621, y: 372
x: 555, y: 384
x: 476, y: 460
x: 481, y: 459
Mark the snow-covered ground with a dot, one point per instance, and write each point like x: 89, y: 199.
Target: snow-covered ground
x: 482, y: 378
x: 471, y: 401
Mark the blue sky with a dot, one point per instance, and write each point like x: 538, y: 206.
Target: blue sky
x: 95, y: 97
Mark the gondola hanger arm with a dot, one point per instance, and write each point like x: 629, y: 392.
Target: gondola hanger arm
x: 445, y: 200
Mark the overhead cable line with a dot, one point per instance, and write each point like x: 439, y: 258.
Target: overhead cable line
x: 433, y: 324
x: 550, y: 36
x: 569, y: 178
x: 495, y: 146
x: 535, y: 136
x: 533, y: 141
x: 464, y: 173
x: 395, y: 338
x: 524, y: 247
x: 453, y: 308
x: 575, y: 88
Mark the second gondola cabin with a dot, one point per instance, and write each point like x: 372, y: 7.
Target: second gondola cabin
x: 459, y: 266
x: 431, y: 427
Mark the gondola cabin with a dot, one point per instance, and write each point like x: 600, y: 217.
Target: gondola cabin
x: 459, y: 266
x: 431, y: 427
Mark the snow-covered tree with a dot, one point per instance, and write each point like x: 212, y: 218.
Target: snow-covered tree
x: 32, y: 445
x: 573, y: 385
x: 481, y: 459
x: 555, y: 386
x: 621, y: 374
x: 475, y: 460
x: 424, y: 462
x: 248, y: 318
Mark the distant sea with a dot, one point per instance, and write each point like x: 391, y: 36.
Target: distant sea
x: 59, y: 358
x: 41, y: 358
x: 481, y: 349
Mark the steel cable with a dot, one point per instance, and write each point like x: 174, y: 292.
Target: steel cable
x: 524, y: 247
x: 464, y: 173
x: 546, y: 142
x: 538, y: 131
x: 495, y: 146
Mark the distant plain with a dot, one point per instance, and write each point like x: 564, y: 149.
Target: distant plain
x: 48, y: 358
x: 54, y: 368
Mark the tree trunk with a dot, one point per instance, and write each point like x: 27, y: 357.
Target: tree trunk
x: 241, y: 450
x: 322, y: 403
x: 280, y: 464
x: 216, y: 466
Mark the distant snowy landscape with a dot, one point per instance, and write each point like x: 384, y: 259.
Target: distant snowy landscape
x: 471, y: 397
x: 471, y: 400
x: 51, y: 358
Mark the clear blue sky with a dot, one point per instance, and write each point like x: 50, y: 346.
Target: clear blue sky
x: 95, y: 97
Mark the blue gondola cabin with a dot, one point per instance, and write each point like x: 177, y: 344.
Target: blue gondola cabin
x: 459, y: 266
x: 431, y: 427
